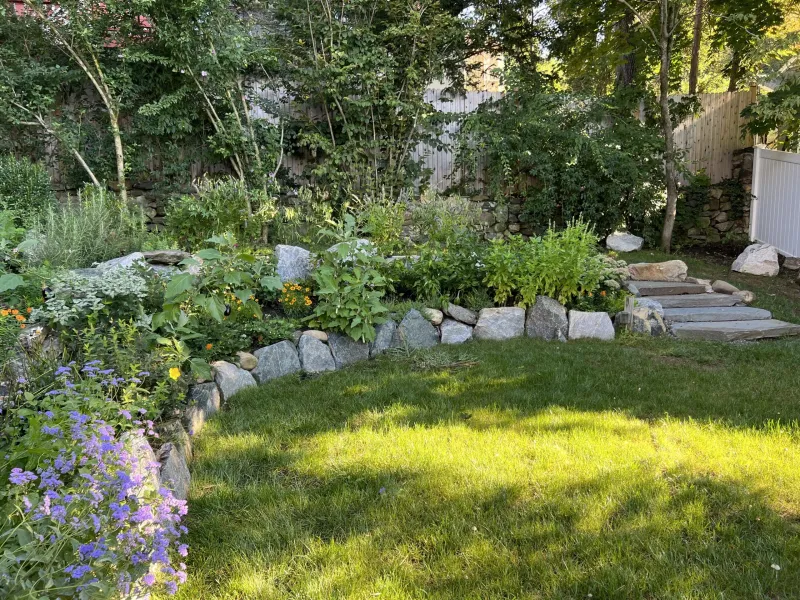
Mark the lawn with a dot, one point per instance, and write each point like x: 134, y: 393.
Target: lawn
x: 633, y: 469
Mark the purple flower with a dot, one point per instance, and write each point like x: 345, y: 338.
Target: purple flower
x: 20, y: 477
x: 63, y: 371
x: 54, y: 431
x: 149, y: 579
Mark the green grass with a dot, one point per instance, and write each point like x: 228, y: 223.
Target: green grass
x: 635, y: 469
x: 781, y: 294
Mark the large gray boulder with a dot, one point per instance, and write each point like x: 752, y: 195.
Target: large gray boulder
x: 165, y: 257
x: 173, y: 431
x: 315, y: 356
x: 123, y: 262
x: 294, y: 263
x: 547, y: 320
x: 415, y: 332
x: 231, y: 379
x: 384, y: 334
x: 459, y: 313
x: 455, y: 332
x: 500, y: 324
x: 174, y: 471
x: 647, y: 321
x: 204, y: 399
x: 624, y: 242
x: 590, y: 325
x: 758, y: 259
x: 277, y: 360
x: 346, y: 350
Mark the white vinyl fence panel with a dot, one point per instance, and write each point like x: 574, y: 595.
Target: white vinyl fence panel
x: 775, y: 215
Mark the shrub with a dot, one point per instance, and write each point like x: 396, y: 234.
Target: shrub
x: 76, y: 300
x: 382, y: 220
x: 442, y: 219
x: 561, y: 264
x: 221, y: 341
x: 80, y: 518
x: 96, y: 228
x: 568, y: 156
x: 350, y: 287
x: 24, y: 189
x: 220, y: 206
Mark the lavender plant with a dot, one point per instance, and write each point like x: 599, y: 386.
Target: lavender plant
x: 82, y: 515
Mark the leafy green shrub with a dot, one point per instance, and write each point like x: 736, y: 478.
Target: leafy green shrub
x: 382, y: 219
x: 350, y: 287
x: 442, y: 270
x: 220, y: 206
x: 295, y: 299
x: 561, y: 264
x: 24, y: 189
x: 221, y: 341
x: 441, y: 219
x: 568, y: 156
x: 76, y: 300
x: 96, y: 228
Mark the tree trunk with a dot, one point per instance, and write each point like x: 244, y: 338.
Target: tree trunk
x: 626, y: 71
x: 697, y: 38
x: 120, y: 155
x: 735, y: 71
x: 670, y: 171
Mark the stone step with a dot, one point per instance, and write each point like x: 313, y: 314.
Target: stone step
x: 696, y: 300
x: 715, y: 313
x: 664, y: 288
x: 731, y: 331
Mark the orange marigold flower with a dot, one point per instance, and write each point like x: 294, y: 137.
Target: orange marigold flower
x: 603, y: 293
x: 19, y: 318
x: 14, y: 311
x: 4, y: 312
x: 30, y: 310
x: 209, y: 346
x: 22, y: 326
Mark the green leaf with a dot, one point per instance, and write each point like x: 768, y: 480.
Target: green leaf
x: 179, y: 284
x: 272, y: 283
x: 200, y: 368
x: 210, y: 254
x: 10, y: 282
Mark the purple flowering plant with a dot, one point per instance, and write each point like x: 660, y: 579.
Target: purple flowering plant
x: 81, y: 511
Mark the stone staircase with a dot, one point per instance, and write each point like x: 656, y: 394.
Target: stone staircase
x: 692, y: 313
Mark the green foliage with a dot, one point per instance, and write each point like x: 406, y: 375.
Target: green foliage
x: 295, y: 299
x: 77, y: 300
x: 220, y: 206
x: 561, y: 264
x: 382, y: 219
x: 568, y: 156
x: 24, y: 188
x: 442, y: 219
x: 238, y: 334
x: 95, y: 228
x: 349, y: 286
x: 363, y: 72
x: 442, y: 270
x: 228, y: 283
x: 778, y: 111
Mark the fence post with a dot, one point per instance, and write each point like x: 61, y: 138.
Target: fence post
x: 755, y: 191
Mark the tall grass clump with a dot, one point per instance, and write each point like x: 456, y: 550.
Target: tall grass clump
x: 94, y: 228
x: 24, y: 188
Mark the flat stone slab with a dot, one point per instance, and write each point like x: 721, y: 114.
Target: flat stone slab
x: 664, y: 288
x: 716, y: 313
x: 696, y: 300
x: 732, y: 331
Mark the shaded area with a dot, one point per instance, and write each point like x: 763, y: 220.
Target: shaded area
x: 643, y: 469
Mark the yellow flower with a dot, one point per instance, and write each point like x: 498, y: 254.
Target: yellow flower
x: 175, y: 373
x: 4, y: 312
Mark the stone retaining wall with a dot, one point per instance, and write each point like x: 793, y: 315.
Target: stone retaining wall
x: 719, y: 218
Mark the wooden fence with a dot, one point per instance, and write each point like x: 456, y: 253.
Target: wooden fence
x: 709, y: 139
